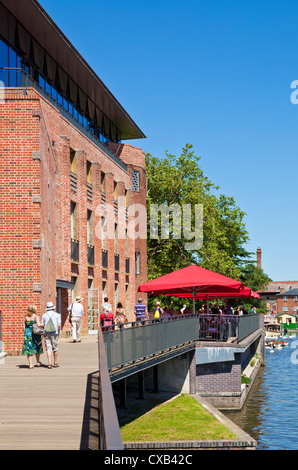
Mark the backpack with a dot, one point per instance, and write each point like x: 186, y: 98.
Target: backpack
x: 157, y: 312
x: 107, y: 320
x: 50, y: 327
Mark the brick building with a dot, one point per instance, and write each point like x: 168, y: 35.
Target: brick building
x: 68, y: 185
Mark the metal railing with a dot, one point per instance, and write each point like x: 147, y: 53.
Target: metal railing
x: 109, y: 430
x: 227, y: 327
x: 133, y: 341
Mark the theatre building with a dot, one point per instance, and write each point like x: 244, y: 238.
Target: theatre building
x: 69, y: 186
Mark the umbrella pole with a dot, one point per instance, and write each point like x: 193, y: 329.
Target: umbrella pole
x: 194, y: 301
x: 207, y: 299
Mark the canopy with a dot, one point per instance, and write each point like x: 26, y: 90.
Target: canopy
x: 193, y: 281
x: 245, y: 292
x: 189, y: 280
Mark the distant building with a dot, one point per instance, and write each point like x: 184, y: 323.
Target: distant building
x: 287, y: 302
x: 274, y: 288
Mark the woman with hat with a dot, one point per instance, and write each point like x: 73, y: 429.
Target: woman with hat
x: 76, y: 312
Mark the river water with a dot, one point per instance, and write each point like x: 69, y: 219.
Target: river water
x: 270, y: 413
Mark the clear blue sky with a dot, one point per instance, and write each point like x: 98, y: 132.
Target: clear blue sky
x: 216, y: 74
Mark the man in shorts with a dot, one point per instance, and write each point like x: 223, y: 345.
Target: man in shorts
x: 141, y: 312
x: 51, y: 336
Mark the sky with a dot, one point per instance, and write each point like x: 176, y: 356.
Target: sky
x: 214, y: 74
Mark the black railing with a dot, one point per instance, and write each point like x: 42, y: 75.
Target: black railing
x: 90, y: 255
x: 227, y: 327
x: 132, y: 342
x: 104, y: 259
x: 75, y: 250
x: 117, y: 262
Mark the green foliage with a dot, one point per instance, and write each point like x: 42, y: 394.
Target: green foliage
x: 180, y: 180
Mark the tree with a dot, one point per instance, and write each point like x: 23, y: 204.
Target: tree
x: 180, y: 181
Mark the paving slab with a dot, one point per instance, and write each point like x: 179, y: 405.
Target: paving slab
x: 51, y: 409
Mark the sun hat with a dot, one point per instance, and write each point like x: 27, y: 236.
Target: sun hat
x: 78, y: 299
x: 50, y: 306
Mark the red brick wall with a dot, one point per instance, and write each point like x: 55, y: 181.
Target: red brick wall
x: 290, y: 303
x: 35, y: 212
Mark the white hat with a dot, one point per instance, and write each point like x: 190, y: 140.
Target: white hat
x: 79, y: 299
x: 50, y: 306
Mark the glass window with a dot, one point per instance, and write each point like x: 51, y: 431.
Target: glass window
x: 12, y: 59
x: 3, y: 54
x: 135, y: 180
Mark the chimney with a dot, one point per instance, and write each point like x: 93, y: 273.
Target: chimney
x: 259, y: 258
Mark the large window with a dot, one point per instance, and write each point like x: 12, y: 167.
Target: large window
x: 10, y: 59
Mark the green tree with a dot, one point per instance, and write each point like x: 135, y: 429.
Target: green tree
x: 180, y: 180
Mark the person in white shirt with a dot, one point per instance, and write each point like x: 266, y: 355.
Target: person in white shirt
x: 51, y: 334
x: 76, y: 311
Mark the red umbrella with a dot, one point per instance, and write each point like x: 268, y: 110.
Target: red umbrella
x: 245, y: 292
x: 191, y: 281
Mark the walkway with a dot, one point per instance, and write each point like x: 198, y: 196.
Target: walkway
x: 51, y: 409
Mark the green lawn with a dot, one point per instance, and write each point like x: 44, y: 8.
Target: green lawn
x: 180, y: 419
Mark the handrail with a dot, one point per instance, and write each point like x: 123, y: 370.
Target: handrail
x: 109, y: 431
x: 134, y: 341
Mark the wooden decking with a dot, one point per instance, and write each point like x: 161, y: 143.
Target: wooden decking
x: 51, y: 409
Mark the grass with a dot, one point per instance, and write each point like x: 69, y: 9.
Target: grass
x: 180, y: 419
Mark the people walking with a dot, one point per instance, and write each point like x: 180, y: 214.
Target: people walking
x: 76, y: 312
x: 52, y: 326
x: 120, y: 316
x: 141, y: 312
x: 32, y: 344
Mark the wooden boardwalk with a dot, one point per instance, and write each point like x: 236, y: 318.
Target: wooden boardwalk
x: 51, y: 409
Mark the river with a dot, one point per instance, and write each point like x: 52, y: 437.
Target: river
x: 270, y: 413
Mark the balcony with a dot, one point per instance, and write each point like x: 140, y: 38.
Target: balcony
x: 90, y: 255
x: 75, y: 251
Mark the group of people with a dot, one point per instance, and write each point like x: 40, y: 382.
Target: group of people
x: 46, y: 339
x: 107, y: 318
x: 227, y: 310
x: 42, y: 334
